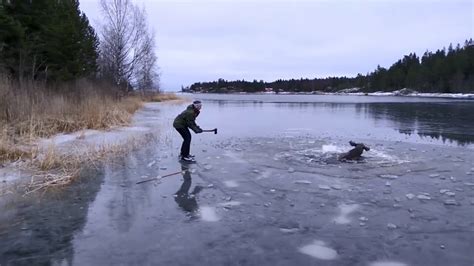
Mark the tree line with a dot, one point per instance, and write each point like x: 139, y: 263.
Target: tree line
x: 448, y: 70
x: 53, y: 41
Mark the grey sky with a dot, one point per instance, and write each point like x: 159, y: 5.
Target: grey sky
x: 202, y: 40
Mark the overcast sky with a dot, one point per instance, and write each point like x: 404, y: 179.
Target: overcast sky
x: 203, y: 40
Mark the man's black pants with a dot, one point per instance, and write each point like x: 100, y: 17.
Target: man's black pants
x: 185, y: 147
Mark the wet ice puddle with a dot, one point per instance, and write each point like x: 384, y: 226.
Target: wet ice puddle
x: 319, y: 250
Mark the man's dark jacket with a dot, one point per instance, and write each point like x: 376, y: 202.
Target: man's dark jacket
x: 187, y: 119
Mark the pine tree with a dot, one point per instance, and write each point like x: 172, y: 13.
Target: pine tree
x: 47, y: 39
x: 11, y: 37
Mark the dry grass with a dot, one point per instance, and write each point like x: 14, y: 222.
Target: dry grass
x: 13, y: 154
x: 53, y: 169
x: 34, y: 111
x: 10, y: 150
x: 161, y: 97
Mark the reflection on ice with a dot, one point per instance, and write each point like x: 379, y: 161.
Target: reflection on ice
x: 345, y: 210
x: 319, y: 250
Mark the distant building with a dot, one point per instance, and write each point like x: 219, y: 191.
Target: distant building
x: 268, y: 89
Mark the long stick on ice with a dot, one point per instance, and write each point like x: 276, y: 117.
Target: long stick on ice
x: 158, y: 177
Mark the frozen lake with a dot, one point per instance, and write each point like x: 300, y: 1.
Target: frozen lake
x: 410, y: 119
x: 269, y: 190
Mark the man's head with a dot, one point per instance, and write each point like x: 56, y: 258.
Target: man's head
x: 197, y: 105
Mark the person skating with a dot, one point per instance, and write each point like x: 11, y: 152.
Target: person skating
x: 182, y: 123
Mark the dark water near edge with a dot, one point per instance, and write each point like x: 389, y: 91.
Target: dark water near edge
x: 423, y: 120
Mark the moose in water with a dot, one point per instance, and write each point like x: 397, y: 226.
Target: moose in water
x: 355, y: 153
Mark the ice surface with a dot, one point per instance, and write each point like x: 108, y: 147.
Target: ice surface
x: 387, y: 263
x: 230, y: 203
x: 423, y: 197
x: 289, y: 230
x: 391, y: 226
x: 305, y: 182
x: 231, y: 183
x: 450, y: 202
x: 344, y: 211
x: 267, y: 209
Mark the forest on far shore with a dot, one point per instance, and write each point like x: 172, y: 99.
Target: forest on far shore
x: 448, y: 70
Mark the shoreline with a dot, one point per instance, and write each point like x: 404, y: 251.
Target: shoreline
x: 460, y: 96
x: 60, y: 157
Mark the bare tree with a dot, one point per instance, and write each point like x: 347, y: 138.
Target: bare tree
x: 126, y: 43
x: 147, y: 75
